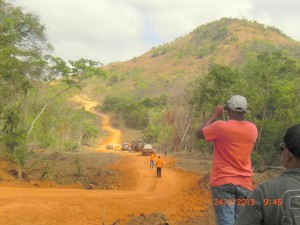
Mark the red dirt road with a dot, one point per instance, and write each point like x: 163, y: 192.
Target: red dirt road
x: 176, y: 194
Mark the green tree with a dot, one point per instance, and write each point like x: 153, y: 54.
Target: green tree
x: 22, y: 43
x: 271, y: 80
x: 212, y: 89
x: 78, y: 71
x: 25, y: 62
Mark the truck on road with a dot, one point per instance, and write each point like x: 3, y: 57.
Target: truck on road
x: 147, y: 149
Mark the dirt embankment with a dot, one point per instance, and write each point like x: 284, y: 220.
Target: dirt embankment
x: 137, y: 197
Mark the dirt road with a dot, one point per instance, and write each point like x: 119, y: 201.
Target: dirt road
x: 175, y: 194
x: 115, y: 136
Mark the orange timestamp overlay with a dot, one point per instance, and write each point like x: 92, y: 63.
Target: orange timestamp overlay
x: 246, y: 201
x: 276, y: 201
x: 239, y: 201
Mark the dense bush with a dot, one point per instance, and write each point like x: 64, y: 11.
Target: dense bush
x: 133, y: 111
x: 271, y: 83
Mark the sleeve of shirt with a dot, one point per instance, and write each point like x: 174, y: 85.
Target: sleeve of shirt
x: 252, y: 214
x: 211, y: 132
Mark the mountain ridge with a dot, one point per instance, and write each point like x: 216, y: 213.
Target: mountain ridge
x: 226, y: 41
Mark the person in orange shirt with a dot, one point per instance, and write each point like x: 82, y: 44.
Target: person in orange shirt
x: 152, y: 159
x: 159, y: 166
x: 234, y: 140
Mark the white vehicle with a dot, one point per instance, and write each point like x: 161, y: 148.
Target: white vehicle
x: 125, y: 146
x: 147, y: 149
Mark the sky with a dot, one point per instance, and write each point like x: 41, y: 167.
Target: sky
x: 118, y: 30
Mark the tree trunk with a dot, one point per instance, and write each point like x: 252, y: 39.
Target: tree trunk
x: 188, y: 126
x: 46, y: 105
x: 62, y: 142
x: 80, y: 139
x: 261, y: 128
x: 20, y: 172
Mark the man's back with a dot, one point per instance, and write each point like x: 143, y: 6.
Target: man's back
x: 159, y: 163
x: 152, y: 156
x: 278, y: 201
x: 231, y: 177
x: 274, y: 202
x: 234, y: 141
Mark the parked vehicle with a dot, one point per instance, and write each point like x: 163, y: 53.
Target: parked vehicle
x: 115, y: 147
x: 118, y: 147
x: 137, y: 146
x: 109, y: 147
x: 147, y: 149
x: 125, y: 146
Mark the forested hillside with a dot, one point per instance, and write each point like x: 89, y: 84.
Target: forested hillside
x: 170, y: 89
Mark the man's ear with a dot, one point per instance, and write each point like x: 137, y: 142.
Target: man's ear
x: 286, y: 156
x: 289, y: 155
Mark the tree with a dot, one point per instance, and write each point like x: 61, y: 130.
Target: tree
x: 22, y: 43
x: 24, y: 61
x: 269, y: 81
x: 80, y: 70
x: 214, y: 88
x: 272, y: 83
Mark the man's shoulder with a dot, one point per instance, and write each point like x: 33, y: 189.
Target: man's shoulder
x: 241, y: 125
x: 280, y: 182
x: 234, y: 123
x: 250, y: 124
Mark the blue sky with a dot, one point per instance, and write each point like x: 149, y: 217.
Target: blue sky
x: 119, y: 30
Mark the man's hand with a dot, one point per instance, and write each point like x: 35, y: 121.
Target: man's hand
x: 218, y: 111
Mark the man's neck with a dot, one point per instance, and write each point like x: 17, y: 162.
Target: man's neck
x: 239, y: 117
x: 294, y: 163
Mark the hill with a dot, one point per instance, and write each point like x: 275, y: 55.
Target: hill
x: 169, y: 89
x: 226, y: 41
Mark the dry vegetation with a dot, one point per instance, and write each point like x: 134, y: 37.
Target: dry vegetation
x: 87, y: 170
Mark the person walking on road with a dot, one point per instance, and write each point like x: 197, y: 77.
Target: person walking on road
x: 277, y: 201
x: 152, y: 159
x: 166, y: 151
x: 234, y: 140
x: 159, y: 166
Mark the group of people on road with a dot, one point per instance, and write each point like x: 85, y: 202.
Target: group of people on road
x: 270, y: 203
x: 158, y: 164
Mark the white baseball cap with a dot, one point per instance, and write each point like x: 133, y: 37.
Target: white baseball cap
x: 237, y: 103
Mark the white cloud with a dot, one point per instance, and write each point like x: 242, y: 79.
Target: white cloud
x: 117, y: 30
x: 90, y: 29
x: 283, y: 14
